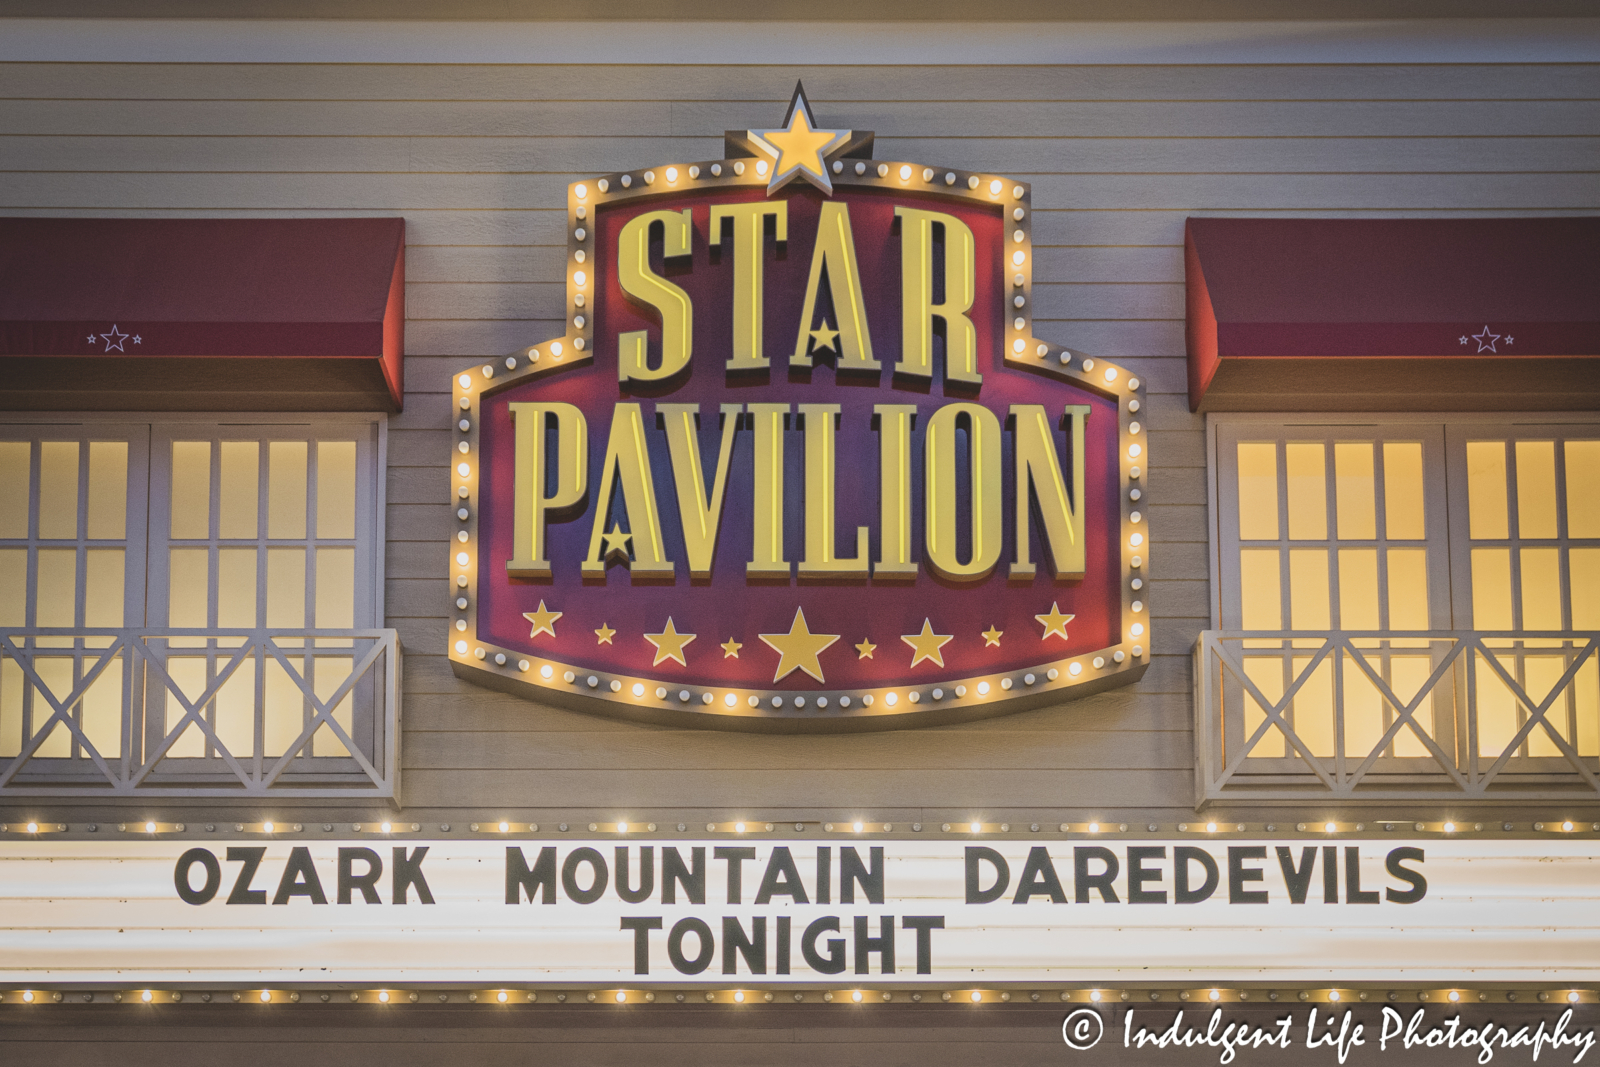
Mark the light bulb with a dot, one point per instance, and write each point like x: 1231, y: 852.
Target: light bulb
x: 1333, y: 995
x: 672, y: 176
x: 1449, y: 827
x: 27, y: 997
x: 581, y: 279
x: 1454, y: 996
x: 622, y: 996
x: 1567, y: 826
x: 385, y: 827
x: 462, y: 558
x: 502, y: 996
x: 856, y: 996
x: 545, y: 671
x: 147, y: 996
x: 33, y: 827
x: 1094, y: 828
x: 1094, y: 995
x: 761, y: 167
x: 505, y: 827
x: 1216, y: 995
x: 977, y: 827
x: 465, y: 381
x: 976, y: 996
x: 582, y: 191
x: 738, y: 827
x: 461, y: 647
x: 738, y: 996
x: 730, y: 700
x: 1330, y: 827
x: 266, y: 827
x: 858, y: 827
x: 1211, y: 827
x: 383, y: 996
x: 983, y: 689
x: 1572, y: 997
x: 463, y: 469
x: 622, y: 827
x: 905, y: 176
x: 266, y: 996
x: 149, y: 827
x: 995, y: 187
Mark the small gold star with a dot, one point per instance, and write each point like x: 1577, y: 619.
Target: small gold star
x: 730, y: 648
x: 604, y: 634
x: 927, y: 644
x: 866, y: 648
x: 669, y: 644
x: 991, y: 636
x: 824, y: 338
x: 544, y: 621
x: 616, y: 543
x: 799, y: 648
x: 1055, y: 622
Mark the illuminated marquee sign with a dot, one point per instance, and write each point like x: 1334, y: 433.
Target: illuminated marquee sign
x: 799, y: 461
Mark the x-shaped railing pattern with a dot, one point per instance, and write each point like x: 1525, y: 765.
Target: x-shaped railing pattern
x: 141, y: 655
x: 1455, y: 657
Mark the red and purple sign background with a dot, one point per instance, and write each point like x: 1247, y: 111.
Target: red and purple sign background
x: 731, y: 605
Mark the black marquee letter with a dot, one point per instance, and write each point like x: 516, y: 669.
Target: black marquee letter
x: 977, y: 854
x: 708, y: 946
x: 213, y: 882
x: 250, y: 856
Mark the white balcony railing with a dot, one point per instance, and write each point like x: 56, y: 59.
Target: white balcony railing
x: 200, y: 713
x: 1424, y: 715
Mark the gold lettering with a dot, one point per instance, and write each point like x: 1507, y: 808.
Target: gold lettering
x: 836, y: 251
x: 820, y: 561
x: 643, y: 284
x: 628, y: 455
x: 749, y: 261
x: 534, y: 499
x: 917, y: 309
x: 894, y: 491
x: 700, y: 518
x: 766, y: 555
x: 940, y: 516
x: 1062, y: 518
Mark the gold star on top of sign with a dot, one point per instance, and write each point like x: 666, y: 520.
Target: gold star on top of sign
x: 866, y: 648
x: 1055, y: 622
x: 730, y: 647
x: 544, y: 621
x: 669, y: 644
x: 927, y: 644
x: 991, y: 636
x: 798, y: 149
x: 823, y: 337
x: 799, y: 648
x: 604, y: 635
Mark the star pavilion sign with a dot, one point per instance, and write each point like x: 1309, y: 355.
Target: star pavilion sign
x: 798, y: 461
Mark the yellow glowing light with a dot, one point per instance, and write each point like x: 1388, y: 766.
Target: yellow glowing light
x: 581, y: 279
x: 465, y: 382
x: 856, y: 996
x: 1019, y: 257
x: 977, y: 827
x: 149, y: 827
x: 1449, y: 827
x: 1567, y: 826
x: 1572, y: 997
x: 582, y: 191
x: 385, y: 827
x: 1136, y: 629
x: 504, y: 827
x: 461, y: 647
x: 983, y: 689
x: 730, y: 700
x: 463, y: 469
x: 1136, y: 540
x: 545, y: 671
x: 266, y: 995
x: 905, y: 174
x: 1216, y: 995
x: 383, y: 996
x: 1094, y: 828
x: 638, y: 689
x: 1094, y: 994
x: 738, y: 996
x: 859, y: 827
x: 1111, y: 374
x: 672, y: 176
x: 738, y: 827
x: 891, y: 699
x: 976, y: 996
x: 502, y: 996
x: 1454, y: 996
x: 33, y: 827
x: 622, y: 997
x: 1133, y: 451
x: 622, y: 827
x: 462, y: 558
x: 1333, y: 994
x: 1330, y: 827
x: 267, y: 827
x: 761, y: 167
x: 995, y: 187
x: 1211, y: 827
x: 27, y: 997
x: 147, y: 996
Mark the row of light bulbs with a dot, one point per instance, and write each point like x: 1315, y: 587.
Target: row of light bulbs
x: 1214, y: 995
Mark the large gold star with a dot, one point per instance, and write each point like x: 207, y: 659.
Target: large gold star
x: 799, y: 648
x: 604, y: 634
x: 1055, y: 622
x: 669, y: 644
x: 823, y: 337
x: 991, y: 636
x: 730, y: 647
x: 866, y: 648
x: 927, y: 644
x: 799, y: 149
x: 544, y: 622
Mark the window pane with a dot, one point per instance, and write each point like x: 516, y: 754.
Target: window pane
x: 1267, y: 674
x: 1540, y: 675
x: 191, y: 490
x: 1308, y: 589
x: 1497, y: 709
x: 1402, y: 491
x: 336, y: 588
x: 332, y: 671
x: 1355, y: 490
x: 1260, y: 597
x: 56, y: 673
x: 286, y: 588
x: 102, y: 710
x: 13, y: 587
x: 1583, y: 570
x: 1306, y: 465
x: 1486, y: 489
x: 14, y: 480
x: 1358, y: 589
x: 1408, y: 589
x: 188, y: 673
x: 1407, y: 675
x: 1363, y: 711
x: 336, y: 489
x: 108, y: 490
x: 58, y: 489
x: 1258, y: 492
x: 285, y: 712
x: 1541, y: 589
x: 236, y: 711
x: 236, y: 588
x: 11, y: 690
x: 241, y: 489
x: 1586, y: 687
x: 286, y: 489
x: 1313, y: 706
x: 1583, y: 488
x: 1491, y: 589
x: 1536, y: 488
x: 188, y: 572
x: 104, y: 587
x: 57, y: 601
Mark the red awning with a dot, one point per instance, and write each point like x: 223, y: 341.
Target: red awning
x: 1398, y: 314
x: 241, y: 314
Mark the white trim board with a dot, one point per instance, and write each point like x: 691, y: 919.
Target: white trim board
x: 1552, y: 40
